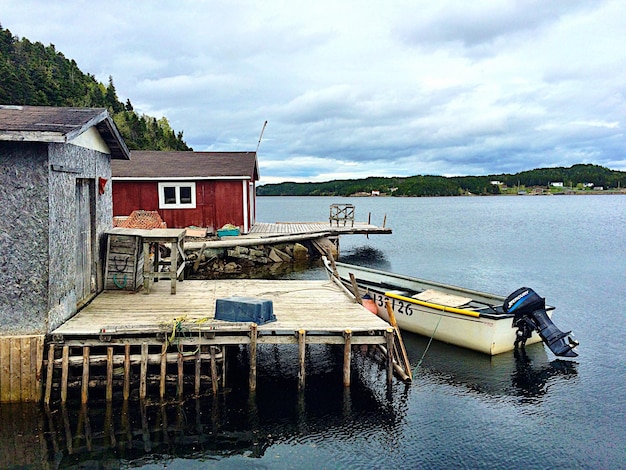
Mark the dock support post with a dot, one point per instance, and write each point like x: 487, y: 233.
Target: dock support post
x: 198, y: 364
x: 389, y: 338
x: 143, y: 375
x: 214, y: 379
x: 252, y: 354
x: 224, y: 350
x: 64, y: 372
x: 85, y: 382
x: 347, y: 357
x: 109, y: 385
x: 49, y: 375
x: 180, y: 375
x: 301, y: 358
x: 126, y: 371
x: 163, y: 370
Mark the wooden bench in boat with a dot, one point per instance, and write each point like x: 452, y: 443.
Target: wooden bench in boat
x: 441, y: 298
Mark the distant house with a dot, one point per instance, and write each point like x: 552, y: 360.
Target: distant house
x: 556, y: 184
x: 55, y: 167
x: 202, y: 189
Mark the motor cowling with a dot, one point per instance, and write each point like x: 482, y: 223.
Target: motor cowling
x: 530, y: 315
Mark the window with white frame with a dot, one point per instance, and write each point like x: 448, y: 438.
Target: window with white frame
x: 177, y: 195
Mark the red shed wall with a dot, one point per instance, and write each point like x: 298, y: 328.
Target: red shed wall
x: 217, y: 203
x: 229, y: 204
x: 129, y: 196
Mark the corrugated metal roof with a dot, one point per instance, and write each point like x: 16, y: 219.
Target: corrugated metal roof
x: 55, y: 124
x: 186, y: 164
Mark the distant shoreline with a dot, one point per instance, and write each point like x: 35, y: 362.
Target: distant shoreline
x: 564, y: 193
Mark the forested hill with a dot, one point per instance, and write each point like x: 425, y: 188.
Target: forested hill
x: 38, y: 75
x: 583, y: 177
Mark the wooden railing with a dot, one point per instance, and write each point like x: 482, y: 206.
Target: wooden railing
x: 341, y: 213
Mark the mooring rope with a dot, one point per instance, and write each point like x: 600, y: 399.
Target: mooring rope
x: 419, y: 363
x: 178, y: 330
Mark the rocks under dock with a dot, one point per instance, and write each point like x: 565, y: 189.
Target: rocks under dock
x: 210, y: 259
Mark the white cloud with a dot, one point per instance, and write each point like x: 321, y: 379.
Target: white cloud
x: 366, y: 88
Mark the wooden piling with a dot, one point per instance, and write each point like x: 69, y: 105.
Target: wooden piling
x: 181, y: 376
x: 126, y: 371
x: 109, y: 385
x: 347, y: 357
x: 197, y: 370
x: 64, y: 372
x: 252, y: 354
x: 49, y: 375
x: 84, y: 395
x: 143, y: 372
x: 389, y: 337
x: 214, y: 379
x: 163, y: 370
x: 301, y: 359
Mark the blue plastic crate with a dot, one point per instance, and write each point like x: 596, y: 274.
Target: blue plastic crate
x: 244, y: 309
x: 228, y: 232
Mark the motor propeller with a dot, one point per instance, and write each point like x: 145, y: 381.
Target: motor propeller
x: 530, y: 315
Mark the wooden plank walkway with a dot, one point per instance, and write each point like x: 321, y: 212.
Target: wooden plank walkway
x: 284, y: 228
x: 308, y: 304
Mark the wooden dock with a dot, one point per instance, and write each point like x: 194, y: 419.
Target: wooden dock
x: 293, y: 228
x: 138, y: 340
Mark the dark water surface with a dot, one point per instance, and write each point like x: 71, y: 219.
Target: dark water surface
x: 463, y: 409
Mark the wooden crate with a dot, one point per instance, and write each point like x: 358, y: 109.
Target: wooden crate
x: 124, y: 263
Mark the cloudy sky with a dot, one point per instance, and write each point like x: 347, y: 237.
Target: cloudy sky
x: 352, y: 89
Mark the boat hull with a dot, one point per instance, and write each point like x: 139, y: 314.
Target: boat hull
x: 477, y: 332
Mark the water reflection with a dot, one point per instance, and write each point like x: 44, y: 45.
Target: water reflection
x: 527, y: 374
x: 532, y: 380
x: 367, y: 256
x: 235, y: 422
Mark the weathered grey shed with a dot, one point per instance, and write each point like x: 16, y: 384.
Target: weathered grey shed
x: 55, y: 205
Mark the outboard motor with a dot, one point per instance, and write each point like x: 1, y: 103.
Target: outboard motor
x: 530, y: 315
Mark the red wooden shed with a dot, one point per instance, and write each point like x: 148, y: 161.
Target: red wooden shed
x: 201, y: 189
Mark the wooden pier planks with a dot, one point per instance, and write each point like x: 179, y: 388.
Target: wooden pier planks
x: 294, y: 228
x: 308, y: 304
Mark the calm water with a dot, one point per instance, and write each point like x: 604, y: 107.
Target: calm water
x: 463, y: 410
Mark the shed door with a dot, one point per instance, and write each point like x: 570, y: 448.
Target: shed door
x: 85, y: 214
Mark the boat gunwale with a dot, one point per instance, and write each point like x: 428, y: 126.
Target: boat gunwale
x: 434, y: 306
x: 404, y: 277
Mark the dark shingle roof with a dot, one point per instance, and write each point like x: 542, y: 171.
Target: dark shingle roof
x: 186, y: 164
x: 61, y: 125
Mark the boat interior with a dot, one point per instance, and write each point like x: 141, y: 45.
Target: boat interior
x: 437, y: 297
